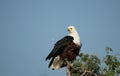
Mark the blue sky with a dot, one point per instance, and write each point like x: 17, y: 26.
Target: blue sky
x: 29, y: 29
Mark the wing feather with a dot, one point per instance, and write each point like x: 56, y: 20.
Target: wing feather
x: 59, y: 46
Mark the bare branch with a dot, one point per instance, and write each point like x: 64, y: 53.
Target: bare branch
x: 68, y: 70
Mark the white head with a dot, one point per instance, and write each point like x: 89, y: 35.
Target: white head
x: 73, y: 32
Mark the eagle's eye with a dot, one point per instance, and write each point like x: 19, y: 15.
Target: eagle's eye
x: 71, y: 28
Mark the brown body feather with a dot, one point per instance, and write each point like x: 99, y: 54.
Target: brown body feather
x: 70, y: 52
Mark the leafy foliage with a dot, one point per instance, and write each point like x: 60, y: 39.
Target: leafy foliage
x: 91, y: 65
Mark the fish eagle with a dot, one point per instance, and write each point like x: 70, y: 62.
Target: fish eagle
x: 65, y: 49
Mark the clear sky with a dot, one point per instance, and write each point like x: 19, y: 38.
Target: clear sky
x: 29, y: 29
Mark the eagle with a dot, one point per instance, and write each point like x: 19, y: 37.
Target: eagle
x: 65, y: 49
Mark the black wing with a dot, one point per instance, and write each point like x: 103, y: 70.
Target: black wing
x: 59, y: 46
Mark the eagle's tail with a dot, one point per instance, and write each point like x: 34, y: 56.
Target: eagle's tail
x: 56, y: 63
